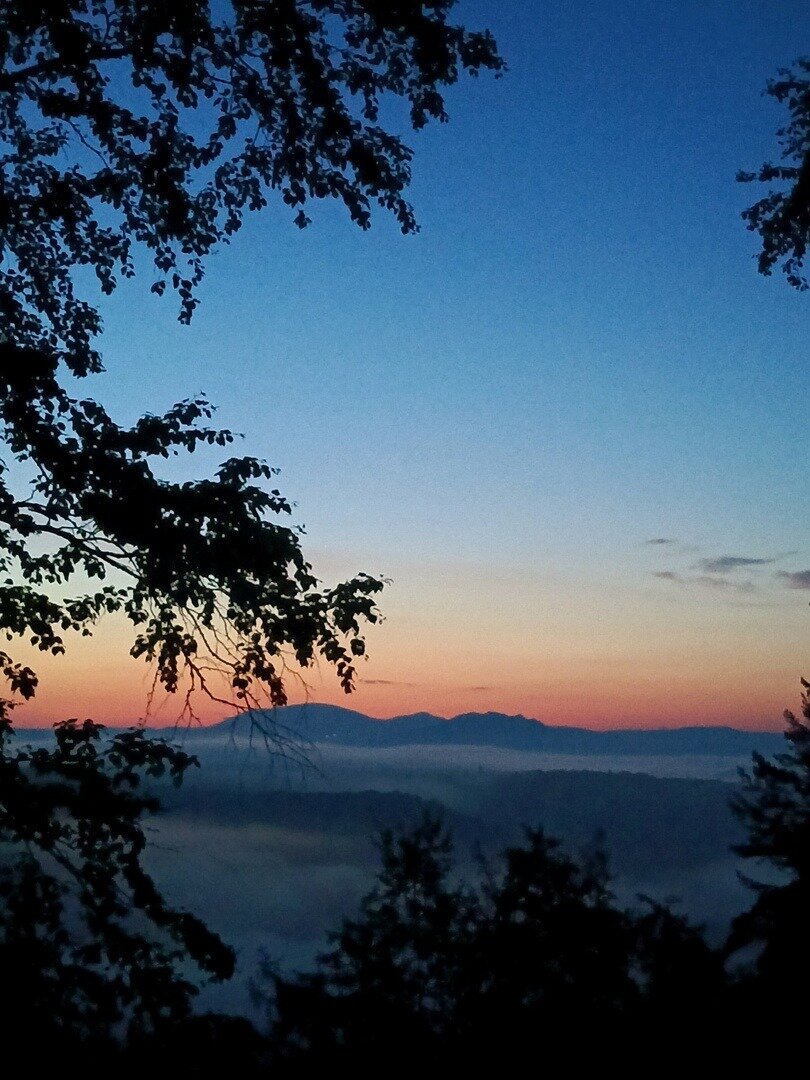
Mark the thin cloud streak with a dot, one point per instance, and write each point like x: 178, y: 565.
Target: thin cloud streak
x: 718, y: 582
x: 722, y: 564
x: 709, y: 581
x: 386, y: 682
x: 795, y: 579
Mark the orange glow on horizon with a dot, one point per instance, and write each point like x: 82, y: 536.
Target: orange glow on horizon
x: 118, y: 695
x: 554, y: 651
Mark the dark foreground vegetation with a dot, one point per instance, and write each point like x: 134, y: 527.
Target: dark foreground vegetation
x: 96, y: 968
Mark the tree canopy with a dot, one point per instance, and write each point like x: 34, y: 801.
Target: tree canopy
x: 782, y: 217
x: 453, y: 975
x: 136, y: 131
x: 774, y: 805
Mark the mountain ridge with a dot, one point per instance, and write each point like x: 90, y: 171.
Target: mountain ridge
x: 319, y: 723
x: 322, y: 723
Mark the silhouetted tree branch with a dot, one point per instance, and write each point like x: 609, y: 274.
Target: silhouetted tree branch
x: 140, y: 125
x: 782, y: 217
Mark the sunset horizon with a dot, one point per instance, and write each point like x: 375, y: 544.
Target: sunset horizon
x: 404, y: 547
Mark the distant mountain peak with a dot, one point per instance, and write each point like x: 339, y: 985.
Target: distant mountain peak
x: 318, y: 722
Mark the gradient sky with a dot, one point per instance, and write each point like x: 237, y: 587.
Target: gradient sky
x: 574, y: 357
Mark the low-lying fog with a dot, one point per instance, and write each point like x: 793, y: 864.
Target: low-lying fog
x: 273, y: 855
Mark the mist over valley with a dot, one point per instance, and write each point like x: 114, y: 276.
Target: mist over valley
x: 275, y: 851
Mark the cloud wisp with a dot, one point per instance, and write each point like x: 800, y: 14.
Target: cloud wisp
x: 709, y: 581
x: 385, y: 682
x: 795, y: 579
x: 717, y: 581
x: 730, y: 574
x: 724, y: 564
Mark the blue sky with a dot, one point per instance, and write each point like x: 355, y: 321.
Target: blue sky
x: 575, y: 355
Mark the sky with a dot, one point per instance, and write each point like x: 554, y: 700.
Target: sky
x: 567, y: 420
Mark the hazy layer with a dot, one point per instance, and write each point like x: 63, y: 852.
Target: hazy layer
x: 274, y: 857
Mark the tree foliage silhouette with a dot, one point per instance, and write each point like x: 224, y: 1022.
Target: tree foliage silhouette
x: 394, y: 974
x: 446, y: 974
x: 134, y: 131
x: 775, y: 808
x: 782, y: 217
x: 90, y: 951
